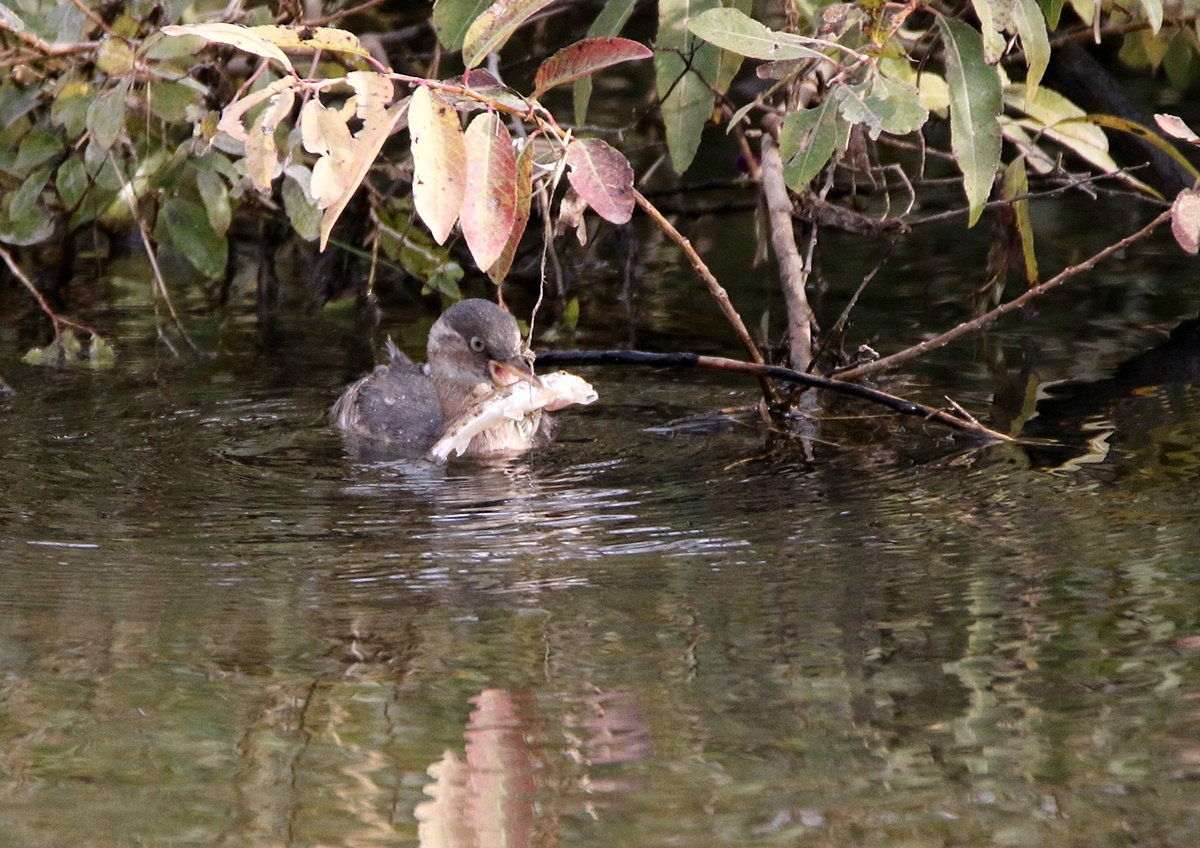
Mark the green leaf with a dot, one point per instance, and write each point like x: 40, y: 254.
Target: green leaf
x: 216, y: 200
x: 106, y: 115
x: 733, y: 30
x: 908, y: 114
x: 298, y: 202
x: 861, y: 106
x: 1015, y: 187
x: 608, y: 24
x: 684, y: 86
x: 23, y: 201
x: 729, y: 63
x: 170, y: 100
x: 489, y: 32
x: 1052, y: 9
x: 994, y: 17
x: 34, y: 227
x: 37, y: 148
x: 70, y: 106
x: 71, y: 182
x: 807, y: 140
x: 452, y: 19
x: 1031, y: 26
x: 184, y: 224
x: 975, y: 105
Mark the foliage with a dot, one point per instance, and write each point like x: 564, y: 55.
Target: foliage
x: 138, y: 125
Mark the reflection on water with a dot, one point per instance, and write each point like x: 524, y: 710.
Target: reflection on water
x: 219, y: 628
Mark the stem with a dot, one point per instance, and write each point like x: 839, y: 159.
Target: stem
x: 988, y: 318
x: 792, y: 272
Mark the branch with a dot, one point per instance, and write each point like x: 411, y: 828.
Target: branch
x: 900, y: 405
x: 792, y: 275
x: 988, y: 318
x: 55, y: 319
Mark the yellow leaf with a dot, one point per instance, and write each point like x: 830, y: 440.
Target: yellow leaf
x: 439, y: 162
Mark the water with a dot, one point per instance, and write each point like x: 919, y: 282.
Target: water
x: 218, y: 628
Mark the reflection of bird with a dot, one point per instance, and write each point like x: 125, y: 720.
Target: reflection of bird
x: 473, y: 348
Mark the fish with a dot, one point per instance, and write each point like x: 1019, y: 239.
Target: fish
x: 521, y: 403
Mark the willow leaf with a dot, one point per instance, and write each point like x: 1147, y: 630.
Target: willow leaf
x: 975, y: 105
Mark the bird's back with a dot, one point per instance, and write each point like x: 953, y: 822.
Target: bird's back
x: 395, y: 404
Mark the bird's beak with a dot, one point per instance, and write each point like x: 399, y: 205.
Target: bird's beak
x: 513, y: 370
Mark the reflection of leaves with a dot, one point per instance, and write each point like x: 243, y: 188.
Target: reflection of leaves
x: 67, y: 350
x: 439, y: 162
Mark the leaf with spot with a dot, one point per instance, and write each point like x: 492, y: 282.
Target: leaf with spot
x: 489, y: 205
x: 439, y: 162
x: 975, y: 106
x: 489, y: 32
x: 584, y: 58
x: 603, y: 177
x: 808, y: 139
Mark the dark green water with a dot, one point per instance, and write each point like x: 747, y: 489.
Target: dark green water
x: 216, y: 628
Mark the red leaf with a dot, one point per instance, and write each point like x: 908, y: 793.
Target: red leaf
x: 439, y: 161
x: 524, y: 186
x: 603, y: 177
x: 1185, y: 220
x: 490, y: 205
x: 586, y: 57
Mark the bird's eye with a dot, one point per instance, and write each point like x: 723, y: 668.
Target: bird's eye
x: 477, y: 344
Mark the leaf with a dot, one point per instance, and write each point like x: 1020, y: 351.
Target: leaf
x: 184, y: 224
x: 1146, y: 134
x: 1174, y: 126
x: 231, y: 118
x: 299, y: 204
x: 373, y: 92
x: 1154, y: 14
x: 975, y: 105
x: 489, y: 204
x: 1185, y: 220
x: 608, y: 23
x: 311, y: 38
x: 114, y: 57
x: 733, y: 30
x: 243, y: 38
x: 262, y: 155
x: 106, y: 115
x: 452, y: 18
x: 907, y: 113
x: 38, y: 147
x: 71, y: 182
x: 994, y: 18
x: 603, y: 177
x: 1031, y: 26
x: 684, y: 90
x: 439, y: 162
x: 1052, y: 9
x: 215, y: 195
x: 584, y: 58
x: 325, y: 133
x: 492, y: 29
x: 524, y: 197
x: 1016, y: 188
x: 807, y: 140
x: 728, y: 62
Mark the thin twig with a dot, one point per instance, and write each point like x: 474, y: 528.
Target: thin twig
x: 966, y: 424
x: 988, y: 318
x: 161, y: 283
x: 55, y: 319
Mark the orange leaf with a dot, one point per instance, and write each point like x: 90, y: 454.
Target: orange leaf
x: 490, y: 205
x: 586, y: 57
x: 603, y: 177
x: 439, y: 162
x: 524, y: 195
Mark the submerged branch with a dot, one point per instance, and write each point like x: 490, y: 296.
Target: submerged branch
x: 900, y: 405
x: 990, y: 317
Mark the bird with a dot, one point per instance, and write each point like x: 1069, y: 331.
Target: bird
x: 473, y: 349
